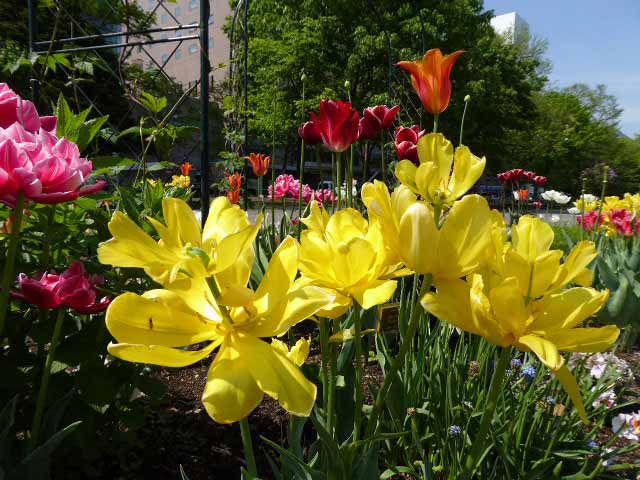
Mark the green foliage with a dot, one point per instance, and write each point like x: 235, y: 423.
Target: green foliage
x: 76, y: 127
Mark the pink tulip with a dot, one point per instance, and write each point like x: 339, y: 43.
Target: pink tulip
x: 406, y: 142
x: 74, y: 288
x: 13, y: 109
x: 307, y: 193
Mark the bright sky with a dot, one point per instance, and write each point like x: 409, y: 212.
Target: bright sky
x: 590, y: 41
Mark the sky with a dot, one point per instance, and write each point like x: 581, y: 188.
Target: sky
x: 590, y: 41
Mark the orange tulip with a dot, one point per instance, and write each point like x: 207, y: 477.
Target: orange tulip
x: 260, y: 163
x: 235, y: 181
x: 186, y: 168
x: 430, y: 78
x: 233, y: 196
x: 523, y: 194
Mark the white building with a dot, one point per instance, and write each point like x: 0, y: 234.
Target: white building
x: 512, y: 27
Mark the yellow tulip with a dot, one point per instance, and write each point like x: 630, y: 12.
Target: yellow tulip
x: 183, y: 252
x: 529, y: 258
x: 150, y: 328
x: 347, y: 256
x: 442, y: 176
x: 505, y: 317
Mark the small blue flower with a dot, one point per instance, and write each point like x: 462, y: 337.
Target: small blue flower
x: 516, y: 363
x: 592, y: 444
x: 529, y: 373
x: 455, y: 430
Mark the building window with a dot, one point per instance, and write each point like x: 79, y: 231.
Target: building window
x: 193, y: 48
x: 178, y: 11
x: 165, y: 57
x: 178, y: 54
x: 193, y: 4
x: 164, y: 18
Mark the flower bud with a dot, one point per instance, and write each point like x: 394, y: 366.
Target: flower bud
x: 347, y: 84
x: 467, y: 98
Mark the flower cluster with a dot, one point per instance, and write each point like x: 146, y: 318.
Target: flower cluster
x: 73, y: 288
x: 614, y: 216
x: 517, y: 175
x: 289, y: 186
x: 234, y: 180
x: 553, y: 196
x: 182, y: 181
x: 628, y: 424
x: 34, y: 162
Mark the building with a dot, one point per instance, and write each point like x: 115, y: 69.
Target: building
x: 184, y: 65
x: 512, y: 27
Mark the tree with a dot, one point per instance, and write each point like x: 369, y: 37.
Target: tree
x: 359, y: 41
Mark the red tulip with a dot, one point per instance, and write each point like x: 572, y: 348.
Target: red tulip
x: 260, y: 163
x: 540, y: 180
x: 529, y: 175
x: 310, y: 133
x: 235, y: 181
x: 186, y: 168
x: 375, y: 119
x: 537, y: 205
x: 338, y: 124
x: 406, y: 139
x: 74, y: 288
x: 516, y: 174
x: 233, y: 196
x: 430, y: 78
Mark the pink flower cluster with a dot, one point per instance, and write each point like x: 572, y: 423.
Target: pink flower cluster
x: 33, y: 161
x: 73, y: 288
x: 619, y: 220
x: 516, y: 174
x: 289, y: 186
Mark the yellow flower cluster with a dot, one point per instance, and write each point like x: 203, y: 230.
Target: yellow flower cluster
x: 512, y: 292
x: 629, y: 202
x: 183, y: 181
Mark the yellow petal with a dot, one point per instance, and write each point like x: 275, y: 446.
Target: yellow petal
x: 299, y: 352
x: 345, y: 225
x: 316, y: 258
x: 418, y: 237
x: 568, y: 381
x: 353, y: 261
x: 159, y: 317
x: 231, y: 247
x: 587, y: 340
x: 508, y: 306
x: 428, y: 181
x: 224, y: 219
x: 567, y: 309
x: 159, y: 355
x: 463, y: 241
x: 317, y: 219
x: 231, y: 393
x: 181, y: 222
x: 374, y: 293
x: 531, y: 237
x: 197, y: 295
x: 585, y: 278
x: 578, y: 259
x: 467, y: 169
x: 131, y: 246
x: 279, y: 276
x: 277, y: 375
x: 544, y: 350
x: 406, y: 174
x: 435, y: 148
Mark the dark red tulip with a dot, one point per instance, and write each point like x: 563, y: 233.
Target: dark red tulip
x: 406, y: 139
x: 74, y: 288
x: 529, y: 175
x: 310, y: 133
x: 338, y: 124
x: 540, y: 180
x: 375, y: 119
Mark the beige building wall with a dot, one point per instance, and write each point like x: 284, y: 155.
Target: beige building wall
x: 184, y: 65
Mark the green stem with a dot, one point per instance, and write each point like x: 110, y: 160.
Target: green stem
x: 605, y: 172
x: 247, y: 445
x: 333, y: 179
x: 350, y: 177
x: 487, y: 415
x: 324, y: 350
x: 331, y: 396
x: 464, y: 114
x: 414, y: 321
x: 44, y: 383
x: 366, y: 163
x: 10, y: 265
x: 339, y: 179
x: 382, y: 165
x: 301, y: 185
x: 584, y: 192
x: 435, y: 123
x: 359, y: 361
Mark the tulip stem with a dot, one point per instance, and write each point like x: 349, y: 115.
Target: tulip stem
x: 339, y: 178
x: 382, y: 165
x: 301, y: 188
x: 350, y: 177
x: 435, y: 123
x: 464, y: 114
x: 10, y: 261
x: 332, y: 388
x: 487, y: 416
x: 44, y: 383
x: 247, y: 445
x: 397, y: 362
x: 359, y: 363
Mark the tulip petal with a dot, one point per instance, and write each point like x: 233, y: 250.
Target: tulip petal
x: 277, y: 376
x: 568, y: 381
x: 578, y: 259
x: 467, y: 169
x: 158, y: 354
x: 545, y: 350
x: 406, y: 174
x: 232, y: 246
x: 587, y: 340
x: 279, y: 276
x: 159, y: 317
x: 531, y: 237
x: 567, y: 309
x: 231, y: 393
x: 418, y: 235
x: 508, y: 306
x: 463, y: 241
x: 181, y: 221
x: 376, y: 292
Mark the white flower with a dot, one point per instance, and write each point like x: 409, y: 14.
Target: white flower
x: 549, y: 195
x: 589, y: 198
x: 608, y: 398
x: 562, y: 199
x: 574, y: 211
x: 628, y: 425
